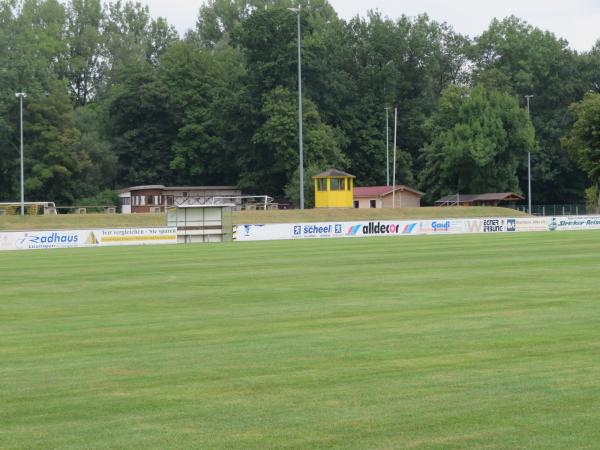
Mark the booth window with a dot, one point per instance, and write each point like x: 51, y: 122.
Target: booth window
x: 338, y: 184
x: 322, y: 184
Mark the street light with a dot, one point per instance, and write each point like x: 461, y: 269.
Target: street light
x: 21, y: 96
x: 300, y: 139
x: 528, y: 97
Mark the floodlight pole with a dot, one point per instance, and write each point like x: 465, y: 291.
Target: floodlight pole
x: 300, y: 137
x: 387, y: 145
x: 395, y: 140
x: 20, y: 96
x: 528, y: 97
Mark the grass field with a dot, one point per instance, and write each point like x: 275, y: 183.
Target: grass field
x: 474, y: 341
x: 64, y: 221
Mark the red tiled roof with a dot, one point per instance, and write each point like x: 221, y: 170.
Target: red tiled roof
x: 381, y: 191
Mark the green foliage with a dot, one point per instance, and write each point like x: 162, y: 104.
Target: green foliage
x: 141, y: 127
x: 517, y: 58
x: 592, y: 197
x: 583, y: 142
x: 478, y: 140
x: 196, y: 86
x: 52, y: 161
x: 107, y: 197
x: 276, y: 142
x: 219, y: 106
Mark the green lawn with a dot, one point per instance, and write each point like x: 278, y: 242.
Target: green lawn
x: 475, y: 341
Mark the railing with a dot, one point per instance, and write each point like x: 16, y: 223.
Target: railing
x: 556, y: 210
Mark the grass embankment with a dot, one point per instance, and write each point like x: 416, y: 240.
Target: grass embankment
x: 475, y: 341
x: 75, y: 221
x: 328, y: 215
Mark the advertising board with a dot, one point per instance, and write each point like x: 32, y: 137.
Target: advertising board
x: 47, y: 239
x: 251, y: 232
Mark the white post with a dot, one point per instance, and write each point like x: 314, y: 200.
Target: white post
x: 395, y: 140
x: 528, y: 97
x: 20, y: 95
x: 387, y: 146
x: 300, y: 138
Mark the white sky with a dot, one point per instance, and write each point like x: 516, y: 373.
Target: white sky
x: 578, y: 21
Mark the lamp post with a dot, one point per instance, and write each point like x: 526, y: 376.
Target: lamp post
x: 528, y: 97
x: 387, y: 145
x: 21, y: 96
x: 300, y: 138
x: 394, y: 171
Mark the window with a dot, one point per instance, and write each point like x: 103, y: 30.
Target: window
x: 349, y: 184
x: 150, y: 200
x: 322, y: 184
x: 356, y: 204
x: 126, y: 201
x: 338, y: 184
x: 185, y: 194
x: 373, y: 203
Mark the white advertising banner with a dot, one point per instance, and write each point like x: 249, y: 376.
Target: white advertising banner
x: 42, y: 239
x: 415, y: 227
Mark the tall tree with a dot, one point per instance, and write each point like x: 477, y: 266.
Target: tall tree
x: 479, y: 139
x: 583, y: 142
x: 84, y: 64
x: 53, y: 165
x: 198, y: 87
x: 517, y: 58
x: 141, y: 127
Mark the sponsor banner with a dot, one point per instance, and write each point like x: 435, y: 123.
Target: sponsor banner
x: 416, y: 227
x: 31, y: 240
x: 564, y: 223
x: 346, y: 229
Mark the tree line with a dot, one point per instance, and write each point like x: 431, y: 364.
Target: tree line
x: 117, y: 98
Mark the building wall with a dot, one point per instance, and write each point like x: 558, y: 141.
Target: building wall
x: 147, y: 200
x: 404, y: 199
x: 125, y: 198
x: 143, y: 201
x: 335, y: 199
x: 365, y: 203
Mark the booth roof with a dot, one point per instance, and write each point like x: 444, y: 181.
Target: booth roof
x: 333, y: 173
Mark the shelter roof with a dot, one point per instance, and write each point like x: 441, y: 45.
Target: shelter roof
x: 382, y: 191
x: 488, y: 197
x: 333, y: 173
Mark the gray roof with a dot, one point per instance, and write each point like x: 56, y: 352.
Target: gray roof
x: 333, y: 173
x: 490, y: 197
x: 179, y: 188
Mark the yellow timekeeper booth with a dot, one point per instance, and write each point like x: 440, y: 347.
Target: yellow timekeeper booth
x: 334, y: 189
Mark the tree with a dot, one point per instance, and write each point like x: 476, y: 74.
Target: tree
x: 141, y: 127
x: 53, y: 165
x: 197, y: 86
x: 84, y: 63
x: 478, y: 141
x: 583, y: 142
x: 274, y: 159
x: 517, y: 58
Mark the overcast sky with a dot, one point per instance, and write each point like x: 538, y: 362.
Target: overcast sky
x: 578, y: 21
